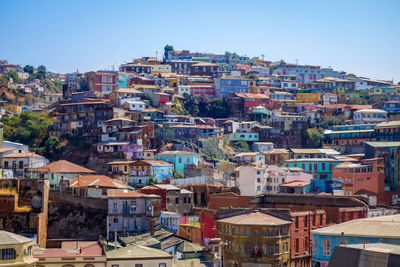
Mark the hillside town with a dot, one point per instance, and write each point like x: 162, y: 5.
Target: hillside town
x: 198, y: 159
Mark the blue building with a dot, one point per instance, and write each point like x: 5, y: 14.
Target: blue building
x: 180, y: 159
x: 383, y: 229
x: 248, y: 137
x: 320, y: 168
x: 231, y: 85
x: 327, y: 186
x: 390, y: 152
x: 123, y: 79
x: 392, y: 106
x: 388, y: 131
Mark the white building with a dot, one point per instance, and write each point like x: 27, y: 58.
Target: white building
x: 262, y: 146
x: 251, y: 180
x: 135, y: 105
x: 251, y: 157
x: 369, y: 116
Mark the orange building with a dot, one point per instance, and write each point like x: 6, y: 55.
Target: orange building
x: 365, y: 177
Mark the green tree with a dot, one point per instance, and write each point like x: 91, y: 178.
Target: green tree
x: 30, y: 69
x: 167, y: 48
x: 191, y: 104
x: 242, y: 145
x: 41, y: 72
x: 314, y: 137
x: 219, y: 108
x: 329, y: 121
x: 53, y: 148
x: 351, y: 75
x: 13, y: 74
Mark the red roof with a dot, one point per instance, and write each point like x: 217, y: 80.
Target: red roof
x: 22, y: 155
x: 177, y: 152
x: 96, y: 181
x: 63, y: 166
x: 71, y: 249
x: 123, y: 193
x: 248, y: 95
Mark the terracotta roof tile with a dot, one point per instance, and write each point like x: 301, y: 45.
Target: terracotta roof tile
x: 63, y: 166
x: 96, y: 181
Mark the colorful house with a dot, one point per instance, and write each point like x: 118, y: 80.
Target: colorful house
x: 248, y: 137
x: 180, y: 159
x: 231, y: 85
x: 350, y: 138
x: 313, y: 98
x: 16, y: 109
x: 382, y: 229
x: 392, y: 106
x: 388, y: 131
x: 139, y: 172
x: 320, y: 168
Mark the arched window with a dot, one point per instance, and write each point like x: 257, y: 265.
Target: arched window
x: 89, y: 265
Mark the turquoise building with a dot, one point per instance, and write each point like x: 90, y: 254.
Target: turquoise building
x: 248, y: 137
x: 381, y: 229
x: 180, y: 159
x: 123, y: 79
x: 321, y: 169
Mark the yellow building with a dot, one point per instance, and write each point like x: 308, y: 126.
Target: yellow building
x: 309, y: 98
x: 255, y: 237
x: 13, y: 109
x: 16, y: 250
x: 138, y: 256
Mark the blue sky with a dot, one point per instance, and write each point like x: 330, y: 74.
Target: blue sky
x: 361, y: 37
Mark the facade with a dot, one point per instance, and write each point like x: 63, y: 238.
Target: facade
x: 251, y: 180
x: 390, y: 151
x: 21, y: 164
x: 248, y: 137
x: 179, y: 201
x: 387, y: 131
x: 350, y: 138
x: 382, y: 229
x: 130, y: 212
x: 231, y: 85
x: 94, y: 186
x: 204, y: 69
x: 84, y: 119
x: 392, y: 106
x: 308, y: 98
x: 321, y: 169
x: 305, y: 73
x: 139, y: 172
x: 300, y: 235
x: 16, y: 250
x: 255, y: 237
x: 367, y: 176
x: 180, y: 159
x: 369, y: 116
x: 60, y: 171
x: 262, y: 146
x: 250, y: 157
x: 72, y: 253
x: 102, y: 81
x: 138, y: 68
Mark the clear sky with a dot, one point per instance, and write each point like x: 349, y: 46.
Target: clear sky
x: 361, y: 37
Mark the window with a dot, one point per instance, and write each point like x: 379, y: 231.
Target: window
x: 21, y: 164
x: 28, y: 251
x: 162, y: 265
x: 180, y: 159
x: 7, y: 254
x: 115, y: 265
x: 327, y: 247
x: 138, y: 265
x: 176, y: 200
x: 276, y: 248
x: 115, y: 220
x: 315, y: 246
x: 89, y: 265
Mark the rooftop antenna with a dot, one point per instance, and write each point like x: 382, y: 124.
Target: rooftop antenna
x: 156, y: 55
x: 297, y: 61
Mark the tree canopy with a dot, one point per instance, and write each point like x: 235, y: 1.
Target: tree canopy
x: 167, y: 48
x: 31, y: 128
x: 30, y: 69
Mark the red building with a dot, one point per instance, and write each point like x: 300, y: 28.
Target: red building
x: 301, y: 237
x: 102, y: 81
x: 152, y: 190
x: 140, y: 80
x: 367, y: 176
x: 204, y: 90
x: 250, y: 101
